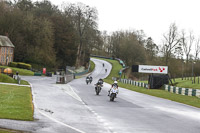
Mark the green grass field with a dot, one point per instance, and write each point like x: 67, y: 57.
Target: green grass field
x: 183, y: 83
x: 186, y: 83
x: 189, y: 100
x: 21, y: 71
x: 7, y: 79
x: 16, y: 103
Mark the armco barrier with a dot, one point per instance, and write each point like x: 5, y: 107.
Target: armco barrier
x: 82, y: 73
x: 183, y: 91
x: 135, y: 83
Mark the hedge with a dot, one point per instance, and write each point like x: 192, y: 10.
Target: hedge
x: 13, y: 64
x: 20, y: 65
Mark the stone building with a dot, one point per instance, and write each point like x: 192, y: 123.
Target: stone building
x: 6, y: 50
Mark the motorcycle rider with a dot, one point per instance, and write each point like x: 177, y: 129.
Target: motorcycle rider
x: 114, y: 84
x: 87, y: 79
x: 100, y: 82
x: 91, y: 79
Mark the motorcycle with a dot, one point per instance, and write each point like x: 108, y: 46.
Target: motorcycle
x: 98, y: 89
x: 90, y: 80
x: 113, y: 93
x: 87, y: 81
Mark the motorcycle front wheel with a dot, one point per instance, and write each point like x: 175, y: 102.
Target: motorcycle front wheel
x: 97, y: 91
x: 112, y: 96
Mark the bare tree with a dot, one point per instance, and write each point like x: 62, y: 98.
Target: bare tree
x: 187, y: 46
x: 197, y: 49
x: 170, y: 42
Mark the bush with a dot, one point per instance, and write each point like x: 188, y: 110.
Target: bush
x: 13, y: 64
x: 24, y: 66
x: 20, y: 65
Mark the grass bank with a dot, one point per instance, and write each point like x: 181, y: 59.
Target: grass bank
x: 92, y: 66
x: 23, y: 72
x: 189, y: 100
x: 7, y: 79
x: 9, y: 131
x: 186, y: 83
x: 16, y: 103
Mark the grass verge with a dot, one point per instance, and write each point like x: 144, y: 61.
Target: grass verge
x: 7, y: 79
x: 9, y: 131
x: 16, y: 103
x: 189, y: 100
x: 186, y: 83
x: 92, y: 66
x: 21, y: 71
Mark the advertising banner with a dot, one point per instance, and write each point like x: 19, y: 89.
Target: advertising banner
x: 153, y: 69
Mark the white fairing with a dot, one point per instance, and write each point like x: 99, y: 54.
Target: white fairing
x: 114, y: 90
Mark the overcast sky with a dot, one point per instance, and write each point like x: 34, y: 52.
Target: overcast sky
x: 152, y: 16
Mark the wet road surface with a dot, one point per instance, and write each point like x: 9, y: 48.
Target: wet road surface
x: 74, y: 108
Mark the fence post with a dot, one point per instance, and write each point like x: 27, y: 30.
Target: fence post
x: 18, y: 79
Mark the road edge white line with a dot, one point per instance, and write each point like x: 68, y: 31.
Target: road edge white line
x: 51, y: 118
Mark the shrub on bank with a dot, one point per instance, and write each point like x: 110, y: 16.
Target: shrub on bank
x: 20, y: 65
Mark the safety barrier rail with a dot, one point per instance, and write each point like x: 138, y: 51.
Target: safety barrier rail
x: 131, y: 82
x: 183, y: 91
x: 84, y: 72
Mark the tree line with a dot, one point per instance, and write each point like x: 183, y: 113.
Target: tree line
x: 46, y: 36
x: 135, y: 48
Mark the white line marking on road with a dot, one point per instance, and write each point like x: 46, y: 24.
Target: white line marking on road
x: 71, y: 92
x: 51, y: 118
x: 98, y: 117
x: 14, y: 84
x: 61, y: 123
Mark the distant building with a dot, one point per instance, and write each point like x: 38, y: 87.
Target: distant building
x: 6, y: 50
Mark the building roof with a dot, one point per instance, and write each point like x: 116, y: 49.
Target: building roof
x: 5, y: 42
